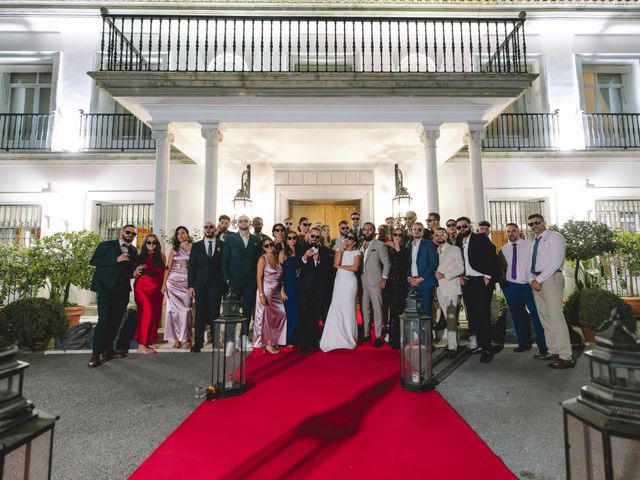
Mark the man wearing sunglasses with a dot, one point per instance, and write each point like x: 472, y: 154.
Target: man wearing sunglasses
x: 355, y: 225
x: 423, y: 262
x: 478, y: 282
x: 204, y: 278
x: 547, y: 260
x: 313, y: 289
x: 240, y: 256
x: 452, y: 232
x: 304, y: 225
x: 115, y: 261
x: 343, y: 227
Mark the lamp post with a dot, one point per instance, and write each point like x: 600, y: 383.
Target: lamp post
x: 401, y: 202
x: 416, y: 373
x: 26, y: 434
x: 602, y: 424
x: 230, y: 345
x: 242, y: 204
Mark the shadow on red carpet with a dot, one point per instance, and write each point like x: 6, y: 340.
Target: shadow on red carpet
x: 331, y: 415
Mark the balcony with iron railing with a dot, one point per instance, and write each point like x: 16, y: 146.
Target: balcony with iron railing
x: 523, y: 131
x: 611, y: 130
x: 26, y: 131
x: 114, y: 131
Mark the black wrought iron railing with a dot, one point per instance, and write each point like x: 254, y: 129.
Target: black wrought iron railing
x: 612, y: 130
x: 114, y: 131
x: 521, y: 131
x: 197, y: 43
x: 26, y: 131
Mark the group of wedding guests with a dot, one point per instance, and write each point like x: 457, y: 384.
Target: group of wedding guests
x: 301, y: 286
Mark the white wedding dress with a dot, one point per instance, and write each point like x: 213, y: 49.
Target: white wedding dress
x: 341, y: 327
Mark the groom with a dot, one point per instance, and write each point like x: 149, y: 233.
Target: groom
x: 375, y: 271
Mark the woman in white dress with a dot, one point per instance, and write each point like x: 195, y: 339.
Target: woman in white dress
x: 341, y: 327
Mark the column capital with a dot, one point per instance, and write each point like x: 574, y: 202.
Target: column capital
x: 429, y: 137
x: 160, y: 132
x: 211, y: 131
x: 474, y: 137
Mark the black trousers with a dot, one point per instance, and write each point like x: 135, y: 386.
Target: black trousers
x: 207, y: 309
x: 247, y: 297
x: 309, y: 313
x: 477, y: 299
x: 111, y: 307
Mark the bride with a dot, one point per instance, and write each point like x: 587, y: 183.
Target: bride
x: 341, y: 327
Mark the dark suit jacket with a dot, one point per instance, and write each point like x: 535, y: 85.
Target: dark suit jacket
x: 427, y: 261
x: 204, y: 271
x: 108, y: 270
x: 315, y: 276
x: 239, y: 263
x: 482, y: 254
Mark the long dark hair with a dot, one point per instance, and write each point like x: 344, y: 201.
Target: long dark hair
x: 176, y: 242
x: 287, y: 249
x: 157, y: 254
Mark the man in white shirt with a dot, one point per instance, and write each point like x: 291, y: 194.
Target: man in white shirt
x: 450, y: 267
x: 547, y: 259
x: 518, y: 292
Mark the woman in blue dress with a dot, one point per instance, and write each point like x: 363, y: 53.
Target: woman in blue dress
x: 291, y: 267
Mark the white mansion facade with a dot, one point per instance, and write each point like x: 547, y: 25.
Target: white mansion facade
x: 150, y: 112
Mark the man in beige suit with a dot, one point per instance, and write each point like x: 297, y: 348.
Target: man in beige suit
x: 450, y: 267
x: 375, y: 271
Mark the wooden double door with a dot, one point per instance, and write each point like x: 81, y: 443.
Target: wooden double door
x: 325, y: 212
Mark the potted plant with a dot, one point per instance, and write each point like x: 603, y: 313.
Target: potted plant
x: 594, y: 307
x: 32, y: 322
x: 66, y: 256
x: 22, y: 271
x: 585, y: 241
x: 628, y: 253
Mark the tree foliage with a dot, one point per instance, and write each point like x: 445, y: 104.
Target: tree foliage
x: 628, y: 250
x: 32, y: 321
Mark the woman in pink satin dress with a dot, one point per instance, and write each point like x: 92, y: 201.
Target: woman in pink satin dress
x: 178, y: 315
x: 270, y: 320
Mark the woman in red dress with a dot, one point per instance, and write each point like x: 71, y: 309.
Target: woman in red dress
x: 149, y: 276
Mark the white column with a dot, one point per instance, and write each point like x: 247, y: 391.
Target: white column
x: 211, y: 133
x: 429, y: 136
x: 474, y: 140
x: 160, y: 133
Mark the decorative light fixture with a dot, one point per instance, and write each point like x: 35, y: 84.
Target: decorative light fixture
x: 401, y: 203
x: 416, y: 367
x: 602, y: 424
x: 242, y: 204
x: 26, y: 434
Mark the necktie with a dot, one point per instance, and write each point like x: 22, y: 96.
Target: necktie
x: 514, y: 263
x: 535, y: 255
x: 210, y: 249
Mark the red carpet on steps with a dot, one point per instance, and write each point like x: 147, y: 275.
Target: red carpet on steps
x: 325, y: 416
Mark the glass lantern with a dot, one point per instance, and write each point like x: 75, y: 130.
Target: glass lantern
x: 602, y: 425
x: 416, y: 372
x: 400, y: 205
x: 230, y: 345
x: 26, y: 434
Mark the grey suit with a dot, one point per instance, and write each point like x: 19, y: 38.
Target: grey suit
x: 375, y: 267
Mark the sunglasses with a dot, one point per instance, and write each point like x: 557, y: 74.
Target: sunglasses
x: 292, y: 238
x: 349, y: 237
x: 439, y: 234
x: 151, y: 242
x: 355, y: 218
x: 267, y: 245
x: 344, y: 228
x: 429, y: 220
x: 418, y: 229
x: 314, y: 236
x: 208, y: 227
x: 397, y: 234
x: 305, y: 224
x: 278, y: 229
x: 462, y: 227
x: 451, y: 224
x: 130, y: 232
x: 533, y: 224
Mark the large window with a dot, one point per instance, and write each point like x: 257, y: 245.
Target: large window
x: 502, y: 212
x: 30, y: 92
x: 620, y: 215
x: 20, y: 223
x: 113, y: 216
x: 603, y: 88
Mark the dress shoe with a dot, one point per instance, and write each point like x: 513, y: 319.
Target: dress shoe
x: 196, y: 349
x: 522, y: 348
x: 474, y: 350
x: 116, y: 355
x: 94, y: 362
x: 486, y: 356
x: 560, y: 364
x: 106, y: 356
x: 378, y: 343
x: 366, y: 339
x: 546, y: 356
x: 452, y: 353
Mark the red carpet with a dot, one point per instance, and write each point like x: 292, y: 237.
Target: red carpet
x: 327, y: 416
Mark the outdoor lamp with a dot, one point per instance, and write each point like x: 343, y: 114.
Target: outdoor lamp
x: 602, y: 425
x: 401, y: 202
x: 242, y: 204
x: 230, y: 345
x: 416, y: 372
x: 26, y: 434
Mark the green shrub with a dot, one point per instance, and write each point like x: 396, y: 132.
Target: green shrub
x: 572, y: 307
x: 596, y: 305
x: 31, y: 321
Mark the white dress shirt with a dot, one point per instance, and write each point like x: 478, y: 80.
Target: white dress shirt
x: 523, y: 265
x: 245, y: 239
x: 365, y: 254
x: 414, y: 259
x: 469, y: 272
x: 550, y: 258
